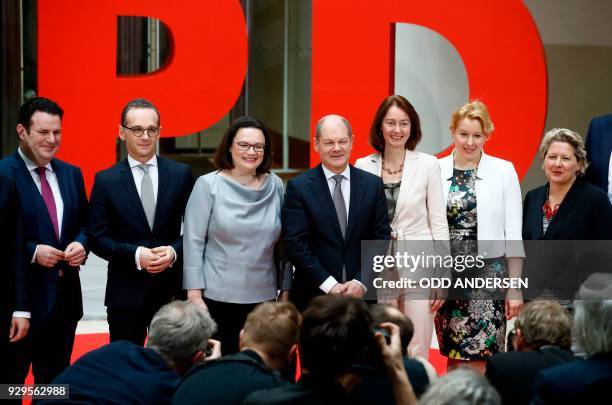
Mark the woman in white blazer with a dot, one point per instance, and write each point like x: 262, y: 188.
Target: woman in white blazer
x: 483, y: 202
x: 414, y: 198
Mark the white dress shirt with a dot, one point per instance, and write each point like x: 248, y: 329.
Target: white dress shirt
x: 138, y: 174
x: 57, y: 197
x: 53, y: 183
x: 345, y: 187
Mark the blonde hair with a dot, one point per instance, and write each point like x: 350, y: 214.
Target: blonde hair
x: 474, y: 110
x: 273, y: 327
x: 570, y: 137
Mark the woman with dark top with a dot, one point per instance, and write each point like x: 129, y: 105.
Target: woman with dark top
x: 564, y: 209
x: 483, y: 209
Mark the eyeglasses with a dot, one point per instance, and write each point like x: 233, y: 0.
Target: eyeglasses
x: 393, y: 124
x: 138, y: 132
x: 244, y: 146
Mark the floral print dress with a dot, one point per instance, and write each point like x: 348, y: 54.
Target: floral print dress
x: 471, y: 329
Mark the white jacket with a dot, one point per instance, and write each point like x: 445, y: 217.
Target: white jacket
x: 499, y: 205
x: 420, y: 213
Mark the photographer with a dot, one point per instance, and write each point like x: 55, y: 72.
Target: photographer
x: 376, y: 388
x: 335, y: 335
x: 126, y: 373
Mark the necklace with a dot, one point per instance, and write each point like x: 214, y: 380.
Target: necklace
x: 386, y: 169
x: 549, y: 212
x: 248, y: 183
x: 548, y: 209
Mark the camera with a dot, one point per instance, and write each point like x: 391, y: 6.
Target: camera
x: 370, y: 361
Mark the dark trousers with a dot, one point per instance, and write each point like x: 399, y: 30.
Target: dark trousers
x: 47, y: 346
x: 6, y: 369
x: 230, y: 319
x: 132, y: 323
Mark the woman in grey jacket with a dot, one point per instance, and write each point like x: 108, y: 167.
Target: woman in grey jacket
x: 232, y: 224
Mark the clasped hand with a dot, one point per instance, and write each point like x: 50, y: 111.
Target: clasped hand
x: 157, y: 259
x: 48, y: 256
x: 351, y: 288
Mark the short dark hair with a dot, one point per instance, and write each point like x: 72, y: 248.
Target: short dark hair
x: 35, y: 104
x: 223, y: 155
x: 376, y: 139
x: 335, y: 332
x: 138, y: 103
x: 386, y: 313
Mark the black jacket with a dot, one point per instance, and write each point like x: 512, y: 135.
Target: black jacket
x: 118, y: 225
x: 313, y: 240
x: 378, y: 389
x: 226, y: 381
x: 584, y: 214
x: 308, y: 390
x: 513, y: 374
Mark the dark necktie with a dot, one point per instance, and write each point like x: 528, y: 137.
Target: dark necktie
x: 339, y: 203
x: 340, y: 206
x: 47, y: 195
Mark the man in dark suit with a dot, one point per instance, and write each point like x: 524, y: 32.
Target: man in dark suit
x: 136, y: 212
x: 599, y: 153
x: 13, y: 281
x: 542, y: 340
x: 328, y: 211
x: 124, y: 373
x: 53, y: 207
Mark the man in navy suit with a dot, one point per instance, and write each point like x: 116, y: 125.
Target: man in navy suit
x: 136, y: 212
x: 53, y: 213
x: 328, y: 211
x: 13, y: 281
x: 599, y: 153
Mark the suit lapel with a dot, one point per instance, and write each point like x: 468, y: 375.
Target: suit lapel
x: 568, y: 204
x: 320, y: 189
x: 130, y: 187
x: 411, y: 168
x: 62, y: 181
x: 535, y: 219
x: 24, y: 178
x: 163, y: 182
x: 356, y: 200
x: 446, y: 171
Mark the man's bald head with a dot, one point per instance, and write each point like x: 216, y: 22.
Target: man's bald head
x: 332, y: 119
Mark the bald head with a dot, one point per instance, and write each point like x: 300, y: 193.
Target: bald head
x: 331, y: 121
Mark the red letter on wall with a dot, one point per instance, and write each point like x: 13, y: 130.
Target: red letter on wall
x: 77, y: 54
x: 498, y: 42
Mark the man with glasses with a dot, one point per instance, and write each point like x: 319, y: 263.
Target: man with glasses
x: 53, y: 212
x: 135, y: 220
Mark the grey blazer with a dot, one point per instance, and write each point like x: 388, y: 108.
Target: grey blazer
x: 229, y: 239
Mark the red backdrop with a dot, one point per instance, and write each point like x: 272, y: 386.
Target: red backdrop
x: 352, y: 67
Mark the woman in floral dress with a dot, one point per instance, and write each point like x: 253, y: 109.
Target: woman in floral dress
x: 483, y: 204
